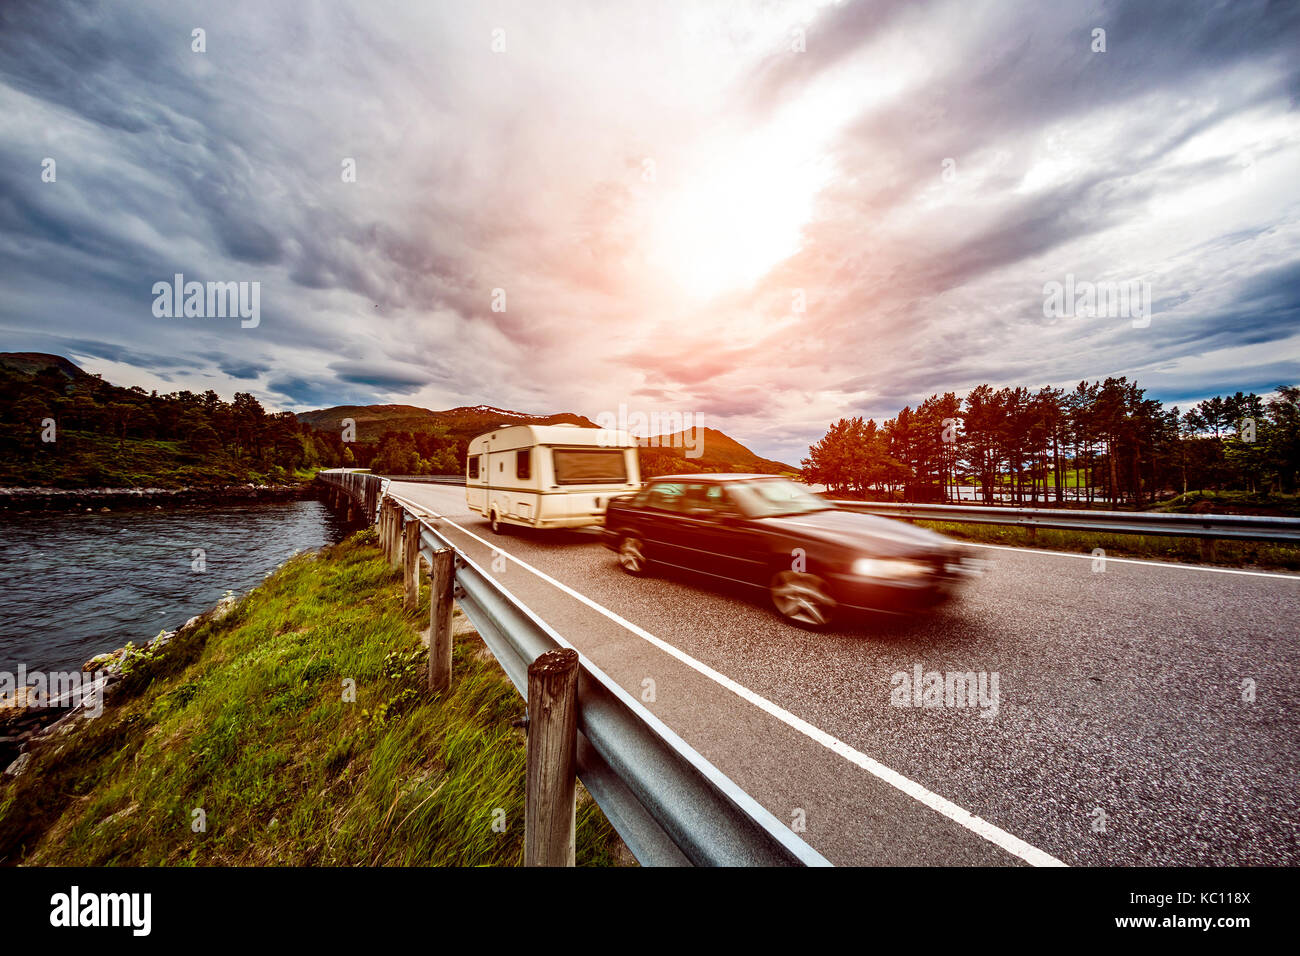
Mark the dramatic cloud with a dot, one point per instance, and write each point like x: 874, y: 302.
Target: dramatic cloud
x: 773, y: 214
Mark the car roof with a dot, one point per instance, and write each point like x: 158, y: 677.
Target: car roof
x: 712, y: 476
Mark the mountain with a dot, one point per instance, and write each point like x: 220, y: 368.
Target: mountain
x: 715, y: 451
x: 32, y: 363
x: 461, y: 423
x: 719, y: 451
x: 109, y: 435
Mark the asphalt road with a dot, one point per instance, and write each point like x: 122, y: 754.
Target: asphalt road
x: 1121, y: 736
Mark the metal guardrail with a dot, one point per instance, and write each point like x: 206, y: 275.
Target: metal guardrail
x: 429, y: 479
x: 1207, y: 526
x: 365, y: 489
x: 1277, y: 530
x: 670, y: 805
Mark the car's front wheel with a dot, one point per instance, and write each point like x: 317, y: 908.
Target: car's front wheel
x: 802, y: 598
x: 631, y: 555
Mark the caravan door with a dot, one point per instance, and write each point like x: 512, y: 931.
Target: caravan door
x: 476, y: 495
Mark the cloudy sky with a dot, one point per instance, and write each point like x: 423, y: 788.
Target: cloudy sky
x: 656, y: 188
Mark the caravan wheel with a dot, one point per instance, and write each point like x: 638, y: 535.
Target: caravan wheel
x: 498, y: 526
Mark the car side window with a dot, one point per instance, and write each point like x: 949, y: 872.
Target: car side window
x: 666, y: 496
x: 697, y: 500
x: 710, y: 499
x: 721, y: 501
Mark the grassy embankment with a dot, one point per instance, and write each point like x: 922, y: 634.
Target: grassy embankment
x: 245, y: 719
x: 1070, y: 477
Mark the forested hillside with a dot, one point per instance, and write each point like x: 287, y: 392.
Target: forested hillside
x: 62, y: 427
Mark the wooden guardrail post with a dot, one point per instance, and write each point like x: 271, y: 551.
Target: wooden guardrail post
x: 552, y: 745
x: 399, y: 528
x: 442, y: 583
x: 394, y: 529
x: 391, y: 531
x: 394, y: 535
x: 411, y: 564
x: 388, y: 529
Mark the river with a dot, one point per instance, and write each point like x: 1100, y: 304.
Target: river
x: 73, y: 585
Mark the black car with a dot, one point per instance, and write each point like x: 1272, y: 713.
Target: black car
x: 812, y: 556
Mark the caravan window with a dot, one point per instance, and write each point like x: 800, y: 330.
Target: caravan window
x: 473, y: 466
x: 524, y: 464
x: 585, y: 466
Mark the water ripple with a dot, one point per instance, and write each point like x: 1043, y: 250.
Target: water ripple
x: 73, y: 585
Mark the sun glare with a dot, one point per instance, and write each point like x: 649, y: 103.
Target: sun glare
x: 740, y: 213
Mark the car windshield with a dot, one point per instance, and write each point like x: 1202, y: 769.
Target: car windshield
x: 770, y: 497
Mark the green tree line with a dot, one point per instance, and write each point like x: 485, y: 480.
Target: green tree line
x: 428, y: 452
x: 1103, y: 440
x: 84, y: 432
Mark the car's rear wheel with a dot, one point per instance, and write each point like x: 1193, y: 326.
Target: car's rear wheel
x: 802, y: 599
x: 631, y: 555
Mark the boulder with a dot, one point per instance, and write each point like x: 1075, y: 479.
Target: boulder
x: 19, y: 765
x: 21, y: 703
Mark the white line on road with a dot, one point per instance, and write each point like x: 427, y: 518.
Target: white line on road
x: 1152, y: 564
x: 977, y: 825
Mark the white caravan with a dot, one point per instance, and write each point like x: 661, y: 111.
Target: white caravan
x: 549, y: 476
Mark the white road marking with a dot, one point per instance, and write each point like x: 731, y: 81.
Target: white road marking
x: 977, y: 825
x: 1151, y: 564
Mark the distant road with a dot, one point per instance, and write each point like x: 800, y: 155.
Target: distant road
x: 1121, y: 702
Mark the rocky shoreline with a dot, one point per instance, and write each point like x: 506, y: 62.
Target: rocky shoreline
x: 94, y: 499
x: 29, y: 723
